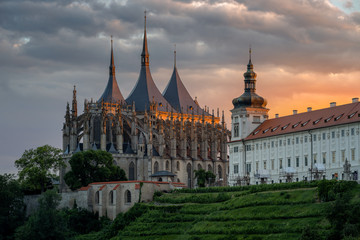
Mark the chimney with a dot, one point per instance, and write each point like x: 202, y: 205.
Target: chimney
x: 294, y: 112
x: 276, y: 115
x: 354, y: 100
x: 333, y: 104
x: 309, y: 109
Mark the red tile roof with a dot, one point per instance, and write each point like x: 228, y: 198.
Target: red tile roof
x: 306, y: 121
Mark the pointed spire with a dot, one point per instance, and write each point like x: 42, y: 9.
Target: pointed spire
x: 112, y: 65
x: 145, y: 53
x: 74, y: 103
x: 250, y: 65
x: 175, y: 56
x: 112, y: 92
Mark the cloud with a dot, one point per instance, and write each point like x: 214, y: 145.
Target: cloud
x: 303, y: 51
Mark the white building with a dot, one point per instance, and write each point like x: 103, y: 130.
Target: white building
x: 303, y: 146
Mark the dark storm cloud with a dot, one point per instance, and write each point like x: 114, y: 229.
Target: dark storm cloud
x: 46, y: 47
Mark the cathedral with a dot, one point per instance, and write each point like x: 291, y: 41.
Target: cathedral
x: 313, y: 145
x: 152, y: 136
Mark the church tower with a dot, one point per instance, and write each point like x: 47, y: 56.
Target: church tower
x: 249, y: 109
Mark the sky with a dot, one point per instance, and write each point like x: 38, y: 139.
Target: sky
x: 305, y: 53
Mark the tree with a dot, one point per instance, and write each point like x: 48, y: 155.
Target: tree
x: 47, y: 222
x: 37, y: 167
x: 203, y: 177
x: 92, y: 166
x: 12, y: 208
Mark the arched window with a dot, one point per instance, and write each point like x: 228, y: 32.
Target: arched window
x: 167, y: 165
x: 177, y: 166
x: 132, y: 171
x: 127, y: 196
x: 199, y: 166
x: 210, y: 168
x: 97, y: 197
x: 220, y: 171
x: 156, y: 167
x: 111, y: 197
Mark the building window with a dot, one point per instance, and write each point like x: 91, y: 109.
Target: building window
x: 97, y: 197
x: 297, y: 162
x: 352, y: 131
x: 324, y: 157
x: 236, y: 130
x: 265, y: 165
x: 257, y: 166
x: 236, y: 169
x: 111, y: 197
x: 289, y: 162
x: 236, y: 119
x: 177, y: 166
x: 305, y: 139
x: 333, y: 156
x: 256, y: 119
x: 272, y: 144
x: 306, y: 161
x: 167, y: 165
x: 220, y: 171
x: 333, y: 134
x: 156, y: 167
x: 288, y: 141
x: 127, y: 196
x: 132, y: 171
x: 343, y: 133
x: 257, y: 146
x: 353, y: 154
x: 236, y: 149
x: 264, y: 145
x: 248, y: 168
x: 280, y: 163
x: 343, y: 155
x: 315, y: 154
x: 297, y: 140
x: 199, y: 166
x: 314, y: 137
x: 272, y: 164
x: 280, y: 142
x: 324, y: 136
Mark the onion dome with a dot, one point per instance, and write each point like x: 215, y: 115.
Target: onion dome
x: 249, y: 98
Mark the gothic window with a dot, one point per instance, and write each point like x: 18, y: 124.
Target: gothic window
x: 156, y: 167
x: 199, y: 166
x: 97, y: 197
x: 167, y: 165
x: 111, y: 197
x: 220, y: 171
x: 209, y: 168
x: 177, y: 166
x: 131, y: 171
x: 188, y: 170
x: 127, y: 196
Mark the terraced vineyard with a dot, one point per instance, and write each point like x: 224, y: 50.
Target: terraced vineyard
x: 281, y: 214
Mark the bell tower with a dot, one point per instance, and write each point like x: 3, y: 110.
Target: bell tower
x: 249, y: 109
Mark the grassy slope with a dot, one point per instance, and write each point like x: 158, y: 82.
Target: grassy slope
x: 241, y: 215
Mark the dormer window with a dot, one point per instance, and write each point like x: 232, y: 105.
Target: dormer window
x: 351, y: 115
x: 274, y: 129
x: 303, y: 124
x: 296, y: 124
x: 338, y: 117
x: 256, y: 132
x: 316, y: 121
x: 266, y: 130
x: 329, y: 118
x: 284, y: 127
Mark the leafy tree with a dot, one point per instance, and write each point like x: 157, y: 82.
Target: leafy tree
x: 92, y: 166
x: 47, y: 222
x: 203, y: 177
x: 38, y: 166
x: 12, y: 208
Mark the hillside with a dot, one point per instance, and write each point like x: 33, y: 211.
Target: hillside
x: 279, y: 211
